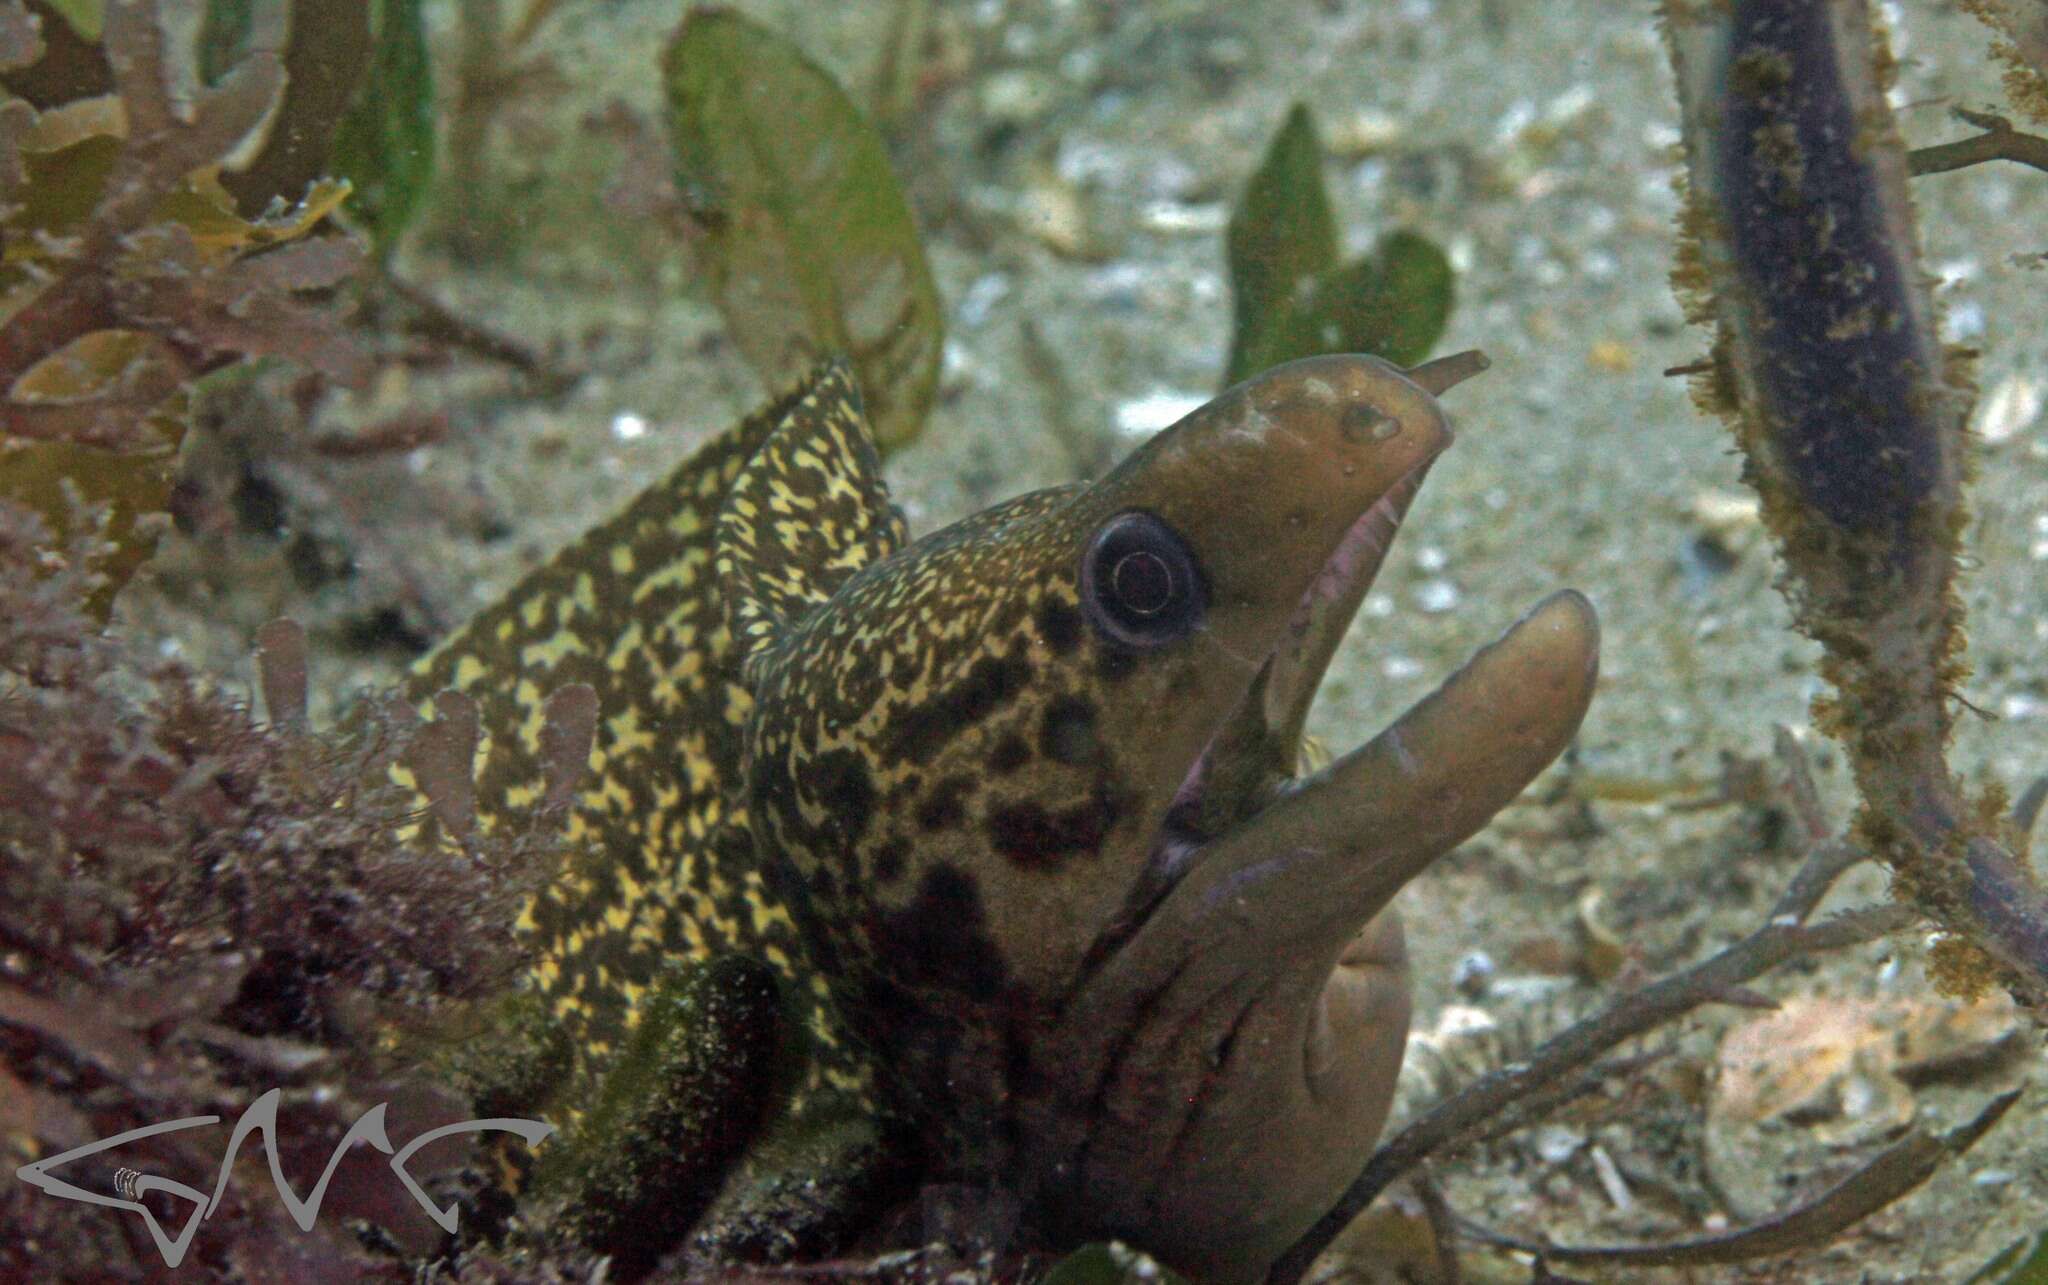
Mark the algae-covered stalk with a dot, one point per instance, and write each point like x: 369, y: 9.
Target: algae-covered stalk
x: 1800, y: 249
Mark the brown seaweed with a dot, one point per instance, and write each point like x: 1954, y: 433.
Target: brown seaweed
x: 131, y: 274
x: 196, y: 907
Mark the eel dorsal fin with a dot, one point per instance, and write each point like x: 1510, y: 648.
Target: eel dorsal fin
x: 808, y: 511
x: 661, y: 862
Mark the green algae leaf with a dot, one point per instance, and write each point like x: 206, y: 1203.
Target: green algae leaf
x: 327, y: 49
x: 385, y: 146
x: 808, y: 242
x: 1294, y: 299
x: 87, y: 17
x: 65, y: 179
x: 2024, y: 1262
x: 1394, y: 303
x: 1282, y: 238
x: 1111, y: 1264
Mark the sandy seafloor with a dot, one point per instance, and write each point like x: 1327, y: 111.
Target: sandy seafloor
x: 1076, y: 174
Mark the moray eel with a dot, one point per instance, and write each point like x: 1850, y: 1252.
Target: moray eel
x: 1014, y: 808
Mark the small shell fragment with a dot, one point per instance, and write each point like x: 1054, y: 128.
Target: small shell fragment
x: 1611, y: 1181
x: 2007, y: 409
x: 1723, y: 512
x: 1557, y: 1143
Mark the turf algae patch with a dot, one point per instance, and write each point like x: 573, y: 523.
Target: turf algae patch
x: 517, y: 1065
x: 1798, y: 244
x: 814, y: 1182
x: 807, y: 240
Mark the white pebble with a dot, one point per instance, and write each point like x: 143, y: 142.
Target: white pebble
x: 1437, y: 596
x: 1177, y: 219
x: 988, y: 290
x: 1556, y: 1144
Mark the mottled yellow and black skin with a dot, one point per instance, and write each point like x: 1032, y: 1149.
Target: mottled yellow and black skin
x: 962, y: 780
x: 914, y: 757
x: 663, y: 861
x: 1012, y: 808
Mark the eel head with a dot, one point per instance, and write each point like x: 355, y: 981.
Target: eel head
x: 1030, y: 787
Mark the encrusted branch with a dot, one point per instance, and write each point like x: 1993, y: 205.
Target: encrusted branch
x: 1887, y: 1176
x: 1999, y: 142
x: 2026, y: 809
x: 440, y: 323
x: 1801, y: 252
x: 1457, y: 1119
x: 1799, y: 249
x: 1443, y: 1226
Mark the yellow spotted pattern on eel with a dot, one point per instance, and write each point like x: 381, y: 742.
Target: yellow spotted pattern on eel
x: 661, y: 864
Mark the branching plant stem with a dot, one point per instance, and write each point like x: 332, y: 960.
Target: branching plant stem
x: 1785, y: 936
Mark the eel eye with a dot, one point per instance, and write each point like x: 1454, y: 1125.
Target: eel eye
x: 1139, y: 582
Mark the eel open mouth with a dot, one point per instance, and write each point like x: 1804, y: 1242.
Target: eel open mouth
x: 1252, y: 759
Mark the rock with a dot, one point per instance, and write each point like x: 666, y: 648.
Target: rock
x: 1798, y: 1093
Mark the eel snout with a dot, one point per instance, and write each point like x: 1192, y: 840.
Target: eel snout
x: 1268, y: 990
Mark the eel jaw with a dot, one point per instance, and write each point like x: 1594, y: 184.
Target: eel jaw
x: 1255, y: 752
x: 1261, y: 1007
